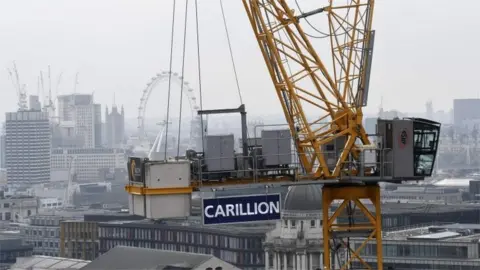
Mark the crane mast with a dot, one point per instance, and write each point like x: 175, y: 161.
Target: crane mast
x: 301, y: 78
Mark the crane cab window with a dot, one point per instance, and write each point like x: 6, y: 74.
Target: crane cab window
x: 425, y: 135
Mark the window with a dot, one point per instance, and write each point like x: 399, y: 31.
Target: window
x: 293, y: 224
x: 425, y: 136
x: 312, y: 223
x: 286, y: 223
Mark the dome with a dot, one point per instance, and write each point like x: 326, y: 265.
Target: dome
x: 304, y: 198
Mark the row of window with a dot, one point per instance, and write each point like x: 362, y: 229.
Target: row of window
x: 181, y: 237
x: 392, y: 250
x: 293, y: 223
x: 235, y: 257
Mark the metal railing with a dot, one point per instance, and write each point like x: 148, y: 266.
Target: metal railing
x: 286, y: 165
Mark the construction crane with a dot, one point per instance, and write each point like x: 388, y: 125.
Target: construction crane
x: 21, y: 88
x: 334, y: 149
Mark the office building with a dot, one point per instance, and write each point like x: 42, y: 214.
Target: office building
x: 297, y: 240
x: 115, y: 126
x: 27, y: 145
x: 371, y: 125
x: 445, y: 246
x: 80, y: 111
x: 34, y: 102
x: 239, y: 245
x: 17, y: 208
x: 12, y: 246
x: 41, y: 262
x: 88, y: 163
x: 79, y: 239
x: 465, y: 110
x: 143, y: 258
x: 2, y: 148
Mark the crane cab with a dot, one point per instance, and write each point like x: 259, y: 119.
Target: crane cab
x: 408, y: 147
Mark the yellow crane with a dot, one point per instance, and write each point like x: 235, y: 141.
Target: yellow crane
x: 301, y: 77
x: 331, y: 148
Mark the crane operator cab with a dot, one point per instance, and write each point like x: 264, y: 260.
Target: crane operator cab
x: 409, y: 147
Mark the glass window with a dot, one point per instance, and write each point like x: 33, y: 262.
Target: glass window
x: 426, y: 136
x: 312, y: 223
x: 293, y: 224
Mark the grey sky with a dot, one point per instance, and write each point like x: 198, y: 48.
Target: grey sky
x: 423, y: 50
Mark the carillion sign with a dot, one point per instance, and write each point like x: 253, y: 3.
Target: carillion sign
x: 241, y: 209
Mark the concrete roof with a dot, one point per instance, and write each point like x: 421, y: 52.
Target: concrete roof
x: 121, y: 257
x: 194, y: 223
x: 47, y: 262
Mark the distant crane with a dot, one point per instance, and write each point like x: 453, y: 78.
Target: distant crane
x: 67, y: 198
x: 21, y: 88
x: 49, y: 100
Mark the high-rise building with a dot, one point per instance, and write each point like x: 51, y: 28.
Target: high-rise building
x: 115, y: 126
x: 465, y: 110
x: 97, y: 125
x: 27, y: 147
x: 34, y: 102
x: 371, y: 125
x: 2, y: 147
x: 84, y: 115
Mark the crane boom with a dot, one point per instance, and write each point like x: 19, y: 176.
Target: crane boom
x: 301, y: 77
x: 21, y: 88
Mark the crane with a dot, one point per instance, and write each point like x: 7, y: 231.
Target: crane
x: 333, y: 147
x: 21, y: 88
x: 300, y: 76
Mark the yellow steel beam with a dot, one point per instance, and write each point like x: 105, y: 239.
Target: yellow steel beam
x: 136, y: 190
x: 351, y: 194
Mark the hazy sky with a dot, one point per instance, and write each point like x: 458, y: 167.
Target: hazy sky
x: 423, y: 51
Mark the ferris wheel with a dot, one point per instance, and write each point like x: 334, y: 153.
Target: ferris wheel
x: 164, y: 76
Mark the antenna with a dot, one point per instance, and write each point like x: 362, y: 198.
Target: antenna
x: 49, y: 84
x: 75, y: 84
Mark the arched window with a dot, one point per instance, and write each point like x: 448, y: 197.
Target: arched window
x: 218, y: 268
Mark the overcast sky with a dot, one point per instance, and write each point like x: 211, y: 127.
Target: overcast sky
x: 424, y: 50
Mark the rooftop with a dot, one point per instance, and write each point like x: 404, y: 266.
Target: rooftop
x: 46, y: 262
x: 194, y: 223
x: 454, y: 232
x: 420, y: 208
x: 121, y: 257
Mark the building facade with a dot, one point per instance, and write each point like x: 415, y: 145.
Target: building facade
x: 297, y: 242
x: 79, y: 239
x: 27, y: 147
x: 88, y: 162
x: 465, y: 110
x: 12, y: 247
x: 84, y: 115
x: 2, y: 148
x: 448, y: 246
x: 240, y: 245
x: 17, y: 208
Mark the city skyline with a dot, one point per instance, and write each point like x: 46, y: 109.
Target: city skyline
x: 71, y: 43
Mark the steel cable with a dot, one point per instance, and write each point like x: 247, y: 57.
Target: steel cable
x: 182, y: 78
x: 170, y: 78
